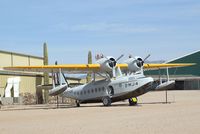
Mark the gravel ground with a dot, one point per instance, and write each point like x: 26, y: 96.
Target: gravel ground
x: 151, y: 116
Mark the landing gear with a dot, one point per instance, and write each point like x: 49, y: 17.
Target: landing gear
x: 77, y: 103
x: 106, y: 101
x: 133, y: 101
x: 110, y: 91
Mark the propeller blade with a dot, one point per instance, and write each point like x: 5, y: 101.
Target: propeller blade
x: 120, y: 57
x: 147, y: 57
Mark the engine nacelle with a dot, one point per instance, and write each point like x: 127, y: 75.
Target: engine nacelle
x: 107, y: 63
x: 135, y: 64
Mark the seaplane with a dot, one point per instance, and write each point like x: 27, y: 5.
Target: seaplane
x: 120, y: 81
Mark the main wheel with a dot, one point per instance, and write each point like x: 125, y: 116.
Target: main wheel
x: 77, y: 103
x: 133, y: 101
x: 106, y: 101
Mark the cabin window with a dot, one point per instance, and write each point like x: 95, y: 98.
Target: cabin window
x: 103, y: 88
x: 120, y: 84
x: 84, y: 92
x: 81, y: 92
x: 136, y: 83
x: 95, y: 90
x: 74, y: 93
x: 92, y: 90
x: 126, y: 85
x: 77, y: 93
x: 99, y: 89
x: 129, y: 84
x: 133, y: 84
x: 88, y: 91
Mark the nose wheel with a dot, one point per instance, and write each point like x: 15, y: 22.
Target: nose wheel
x: 133, y: 101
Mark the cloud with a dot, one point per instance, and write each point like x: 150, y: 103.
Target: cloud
x: 112, y: 28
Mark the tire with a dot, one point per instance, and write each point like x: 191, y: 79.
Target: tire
x: 77, y: 103
x: 106, y: 101
x: 133, y: 101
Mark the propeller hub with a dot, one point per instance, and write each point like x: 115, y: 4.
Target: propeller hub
x: 112, y: 62
x: 139, y: 62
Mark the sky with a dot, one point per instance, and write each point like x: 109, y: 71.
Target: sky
x: 165, y: 29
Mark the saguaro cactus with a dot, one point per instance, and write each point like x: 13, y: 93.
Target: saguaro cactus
x: 88, y: 78
x: 46, y: 75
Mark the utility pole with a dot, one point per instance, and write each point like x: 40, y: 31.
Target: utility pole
x: 88, y: 78
x: 46, y: 75
x: 166, y: 89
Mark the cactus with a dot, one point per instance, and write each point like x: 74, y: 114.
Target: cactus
x: 88, y: 78
x: 46, y: 75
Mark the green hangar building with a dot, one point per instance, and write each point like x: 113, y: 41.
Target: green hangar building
x: 186, y: 78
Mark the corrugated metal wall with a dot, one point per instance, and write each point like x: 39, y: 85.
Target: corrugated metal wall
x: 28, y: 82
x: 193, y: 84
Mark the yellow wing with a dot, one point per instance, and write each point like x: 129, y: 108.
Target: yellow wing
x: 84, y: 68
x: 74, y: 68
x: 158, y: 66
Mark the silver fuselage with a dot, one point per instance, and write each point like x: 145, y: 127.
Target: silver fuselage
x: 123, y: 87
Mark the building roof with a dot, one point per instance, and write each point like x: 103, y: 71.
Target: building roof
x: 20, y: 54
x: 194, y: 70
x: 175, y: 59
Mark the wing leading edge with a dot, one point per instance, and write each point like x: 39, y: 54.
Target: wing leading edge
x: 84, y: 68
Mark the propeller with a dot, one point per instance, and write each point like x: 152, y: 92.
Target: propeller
x: 113, y: 68
x: 112, y: 63
x: 147, y: 57
x: 140, y: 62
x: 120, y: 57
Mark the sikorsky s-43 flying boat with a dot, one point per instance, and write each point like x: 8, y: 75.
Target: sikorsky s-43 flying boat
x: 119, y: 81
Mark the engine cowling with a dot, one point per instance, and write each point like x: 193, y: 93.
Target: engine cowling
x: 107, y: 64
x: 135, y: 64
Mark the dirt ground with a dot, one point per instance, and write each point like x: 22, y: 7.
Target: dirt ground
x: 151, y: 116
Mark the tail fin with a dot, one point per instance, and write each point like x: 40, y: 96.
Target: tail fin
x: 59, y: 83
